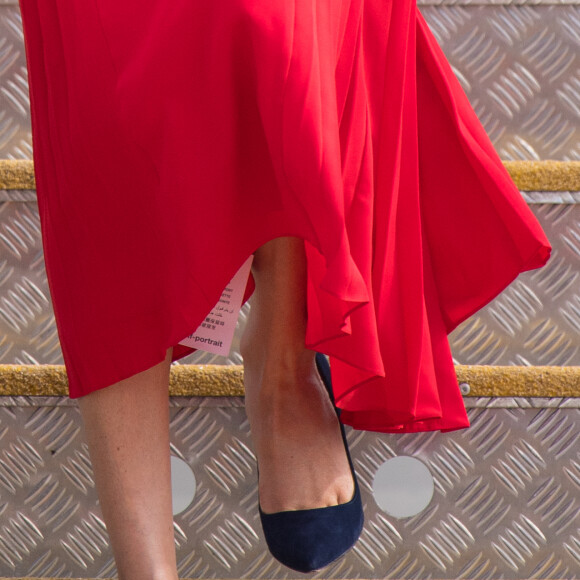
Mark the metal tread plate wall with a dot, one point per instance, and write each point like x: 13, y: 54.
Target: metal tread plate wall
x: 519, y: 65
x: 517, y: 61
x: 535, y: 321
x: 506, y: 491
x: 505, y: 496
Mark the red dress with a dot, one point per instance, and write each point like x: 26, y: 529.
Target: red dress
x: 172, y: 138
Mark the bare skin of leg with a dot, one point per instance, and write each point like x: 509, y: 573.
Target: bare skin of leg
x: 296, y: 434
x: 127, y: 428
x: 295, y: 430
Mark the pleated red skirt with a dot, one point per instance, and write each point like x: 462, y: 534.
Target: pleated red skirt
x: 172, y: 138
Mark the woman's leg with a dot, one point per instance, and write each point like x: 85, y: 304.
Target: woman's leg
x: 127, y: 428
x: 296, y: 434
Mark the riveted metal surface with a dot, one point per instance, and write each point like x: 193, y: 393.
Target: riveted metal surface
x: 506, y: 501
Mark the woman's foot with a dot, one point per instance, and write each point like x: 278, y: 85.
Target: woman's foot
x: 296, y: 433
x: 310, y: 539
x: 297, y: 438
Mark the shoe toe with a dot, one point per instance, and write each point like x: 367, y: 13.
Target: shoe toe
x: 307, y: 540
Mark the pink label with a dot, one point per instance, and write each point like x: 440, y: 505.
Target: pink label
x: 216, y: 332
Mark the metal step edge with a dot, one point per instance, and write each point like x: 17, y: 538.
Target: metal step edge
x: 546, y: 176
x: 227, y: 381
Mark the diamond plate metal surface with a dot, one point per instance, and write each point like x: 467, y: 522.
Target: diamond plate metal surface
x: 506, y: 502
x: 519, y: 65
x: 535, y: 321
x: 507, y: 490
x: 517, y: 61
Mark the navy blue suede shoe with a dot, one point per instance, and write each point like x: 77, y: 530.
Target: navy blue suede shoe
x: 307, y: 540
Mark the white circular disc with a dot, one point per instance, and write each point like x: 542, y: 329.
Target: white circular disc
x: 403, y: 486
x: 182, y: 484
